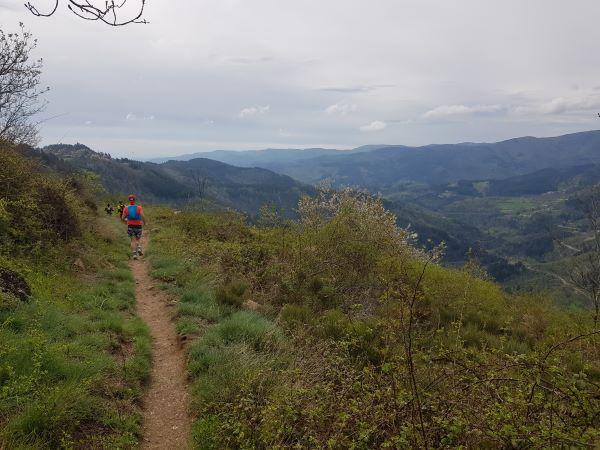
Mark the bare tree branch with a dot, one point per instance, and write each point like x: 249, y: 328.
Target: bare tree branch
x: 111, y: 13
x: 20, y: 94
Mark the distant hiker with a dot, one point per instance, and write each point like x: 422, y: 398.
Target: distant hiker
x: 134, y: 216
x: 120, y: 208
x: 109, y: 209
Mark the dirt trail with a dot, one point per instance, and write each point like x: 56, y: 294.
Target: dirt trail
x: 166, y: 416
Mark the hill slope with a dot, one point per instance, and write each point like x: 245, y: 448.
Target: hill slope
x: 270, y: 158
x: 214, y: 183
x: 451, y: 162
x: 74, y: 356
x: 348, y: 327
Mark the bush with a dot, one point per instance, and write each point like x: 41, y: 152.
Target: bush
x: 36, y: 207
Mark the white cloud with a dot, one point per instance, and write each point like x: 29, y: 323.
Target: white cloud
x: 449, y: 111
x: 131, y: 117
x: 342, y: 109
x: 561, y: 105
x: 88, y: 122
x: 377, y: 125
x: 254, y: 110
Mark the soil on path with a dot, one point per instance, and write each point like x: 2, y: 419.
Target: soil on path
x: 166, y: 416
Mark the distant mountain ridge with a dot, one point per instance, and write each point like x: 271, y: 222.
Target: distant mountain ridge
x: 383, y: 165
x: 266, y: 158
x: 443, y: 163
x: 215, y: 183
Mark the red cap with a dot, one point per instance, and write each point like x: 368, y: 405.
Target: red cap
x: 132, y: 198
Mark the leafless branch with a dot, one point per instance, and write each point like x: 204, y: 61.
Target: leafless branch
x: 111, y: 13
x: 20, y: 94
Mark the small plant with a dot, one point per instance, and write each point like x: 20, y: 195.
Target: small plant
x: 231, y: 294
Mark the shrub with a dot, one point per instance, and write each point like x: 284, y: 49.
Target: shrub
x: 231, y: 294
x: 37, y: 208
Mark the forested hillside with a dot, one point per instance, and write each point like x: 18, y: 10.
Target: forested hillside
x: 254, y: 158
x: 196, y: 183
x: 203, y: 183
x: 438, y: 164
x: 509, y: 203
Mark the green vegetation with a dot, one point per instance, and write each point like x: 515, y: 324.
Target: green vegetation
x: 337, y: 332
x: 73, y: 355
x: 200, y: 183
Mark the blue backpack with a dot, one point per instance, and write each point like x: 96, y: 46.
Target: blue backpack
x: 133, y: 212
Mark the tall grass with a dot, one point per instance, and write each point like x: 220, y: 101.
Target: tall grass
x: 231, y: 349
x: 74, y: 360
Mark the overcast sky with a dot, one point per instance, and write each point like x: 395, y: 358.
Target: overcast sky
x: 241, y: 74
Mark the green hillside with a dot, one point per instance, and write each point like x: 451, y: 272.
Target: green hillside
x: 199, y: 182
x: 334, y: 330
x: 338, y: 333
x: 74, y: 357
x: 254, y: 158
x: 241, y: 189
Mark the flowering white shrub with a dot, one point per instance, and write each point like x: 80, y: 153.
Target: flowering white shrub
x: 362, y: 212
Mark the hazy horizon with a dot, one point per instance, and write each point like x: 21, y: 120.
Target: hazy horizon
x: 142, y: 157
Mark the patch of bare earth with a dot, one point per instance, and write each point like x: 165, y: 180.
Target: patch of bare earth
x: 166, y: 406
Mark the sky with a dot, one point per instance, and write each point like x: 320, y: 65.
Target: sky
x: 251, y: 74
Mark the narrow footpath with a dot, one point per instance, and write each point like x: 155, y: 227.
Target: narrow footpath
x: 166, y: 406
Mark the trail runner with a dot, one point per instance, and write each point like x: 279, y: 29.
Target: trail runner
x: 134, y: 216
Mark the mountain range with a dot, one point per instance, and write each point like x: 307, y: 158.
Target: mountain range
x: 377, y: 166
x: 214, y: 184
x: 267, y: 158
x: 508, y: 200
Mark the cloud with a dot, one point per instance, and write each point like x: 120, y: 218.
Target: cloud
x: 377, y: 125
x: 88, y: 122
x: 242, y: 60
x: 342, y: 109
x: 254, y: 110
x: 562, y: 105
x: 354, y: 89
x: 449, y: 111
x: 131, y: 117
